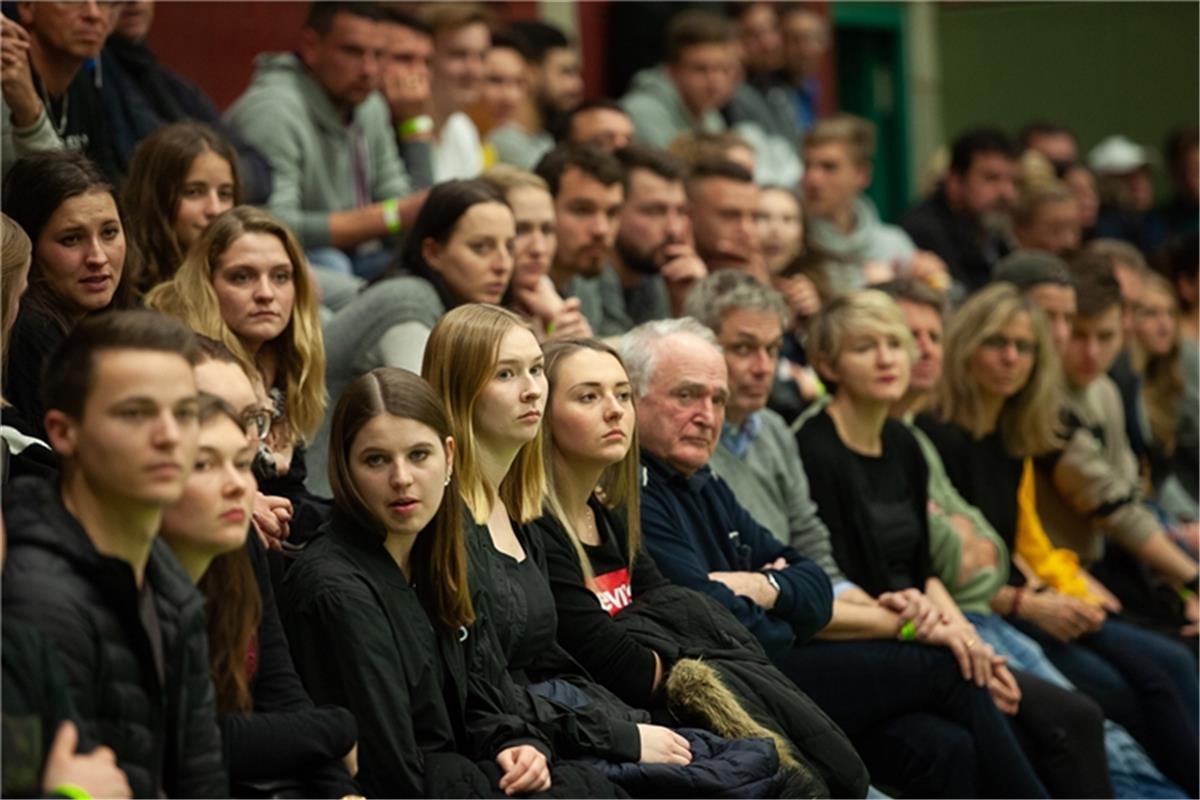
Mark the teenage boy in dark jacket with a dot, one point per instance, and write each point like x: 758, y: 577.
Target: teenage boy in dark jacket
x: 84, y: 564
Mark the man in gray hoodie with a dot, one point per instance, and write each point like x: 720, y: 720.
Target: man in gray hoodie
x: 837, y: 155
x: 316, y: 114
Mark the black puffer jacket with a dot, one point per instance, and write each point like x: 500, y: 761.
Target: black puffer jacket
x: 164, y: 733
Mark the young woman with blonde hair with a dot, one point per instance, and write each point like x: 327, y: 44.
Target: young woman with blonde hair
x: 488, y: 367
x: 995, y: 410
x: 245, y: 284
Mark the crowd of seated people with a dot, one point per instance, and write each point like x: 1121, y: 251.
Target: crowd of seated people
x: 419, y: 427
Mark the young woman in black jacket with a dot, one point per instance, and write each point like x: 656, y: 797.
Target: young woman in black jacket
x: 273, y: 735
x: 379, y: 614
x: 487, y: 364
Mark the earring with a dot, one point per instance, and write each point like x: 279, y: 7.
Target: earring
x: 447, y: 481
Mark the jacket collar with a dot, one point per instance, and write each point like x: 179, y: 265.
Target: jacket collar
x: 658, y: 470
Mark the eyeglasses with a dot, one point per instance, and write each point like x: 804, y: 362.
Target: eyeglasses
x: 257, y: 421
x: 998, y: 341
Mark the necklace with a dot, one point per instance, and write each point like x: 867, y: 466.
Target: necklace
x: 590, y: 535
x: 61, y: 126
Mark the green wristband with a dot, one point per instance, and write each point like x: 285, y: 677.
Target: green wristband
x: 72, y: 791
x: 1186, y: 594
x: 391, y: 216
x: 908, y: 632
x: 415, y: 126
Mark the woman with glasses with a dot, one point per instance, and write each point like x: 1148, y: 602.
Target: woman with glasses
x: 995, y: 410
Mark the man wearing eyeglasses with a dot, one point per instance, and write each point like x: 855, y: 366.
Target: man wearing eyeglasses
x: 50, y: 101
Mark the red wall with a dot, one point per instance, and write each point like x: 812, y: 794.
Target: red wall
x: 214, y: 43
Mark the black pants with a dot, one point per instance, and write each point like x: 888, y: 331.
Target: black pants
x: 919, y: 726
x: 1062, y: 733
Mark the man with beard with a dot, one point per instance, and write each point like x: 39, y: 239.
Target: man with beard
x: 555, y: 87
x: 586, y: 185
x: 654, y: 260
x: 966, y: 222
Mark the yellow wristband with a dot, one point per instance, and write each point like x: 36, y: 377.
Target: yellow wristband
x: 72, y: 791
x: 908, y: 631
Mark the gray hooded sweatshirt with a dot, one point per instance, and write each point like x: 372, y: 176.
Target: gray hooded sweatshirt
x: 288, y: 116
x: 871, y: 240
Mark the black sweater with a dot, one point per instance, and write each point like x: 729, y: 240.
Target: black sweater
x: 586, y: 622
x: 286, y: 736
x: 694, y: 525
x: 875, y: 507
x: 34, y: 337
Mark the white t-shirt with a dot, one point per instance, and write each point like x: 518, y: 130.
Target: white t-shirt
x: 458, y: 152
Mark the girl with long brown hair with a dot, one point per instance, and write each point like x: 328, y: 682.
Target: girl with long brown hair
x: 379, y: 611
x: 74, y: 221
x: 272, y: 732
x: 181, y: 177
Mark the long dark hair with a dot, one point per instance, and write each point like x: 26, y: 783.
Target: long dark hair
x: 34, y: 188
x: 445, y: 205
x: 156, y: 176
x: 233, y: 602
x: 439, y: 561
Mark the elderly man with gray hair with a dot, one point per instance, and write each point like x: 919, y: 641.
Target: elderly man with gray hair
x: 918, y: 736
x: 693, y: 525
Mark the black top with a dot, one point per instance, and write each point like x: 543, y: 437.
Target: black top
x: 875, y: 507
x: 522, y: 599
x: 34, y: 337
x: 78, y: 118
x: 286, y: 737
x: 586, y: 625
x: 35, y: 701
x: 362, y: 640
x: 983, y: 472
x: 968, y: 250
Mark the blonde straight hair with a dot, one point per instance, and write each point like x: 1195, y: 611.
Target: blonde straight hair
x: 620, y: 483
x: 1029, y: 421
x: 460, y: 358
x: 300, y: 350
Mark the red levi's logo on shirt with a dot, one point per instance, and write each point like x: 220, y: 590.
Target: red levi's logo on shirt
x: 614, y: 590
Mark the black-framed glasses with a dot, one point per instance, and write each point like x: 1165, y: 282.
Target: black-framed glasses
x: 257, y: 421
x: 998, y: 341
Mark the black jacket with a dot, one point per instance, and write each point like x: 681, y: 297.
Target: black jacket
x: 428, y: 726
x: 163, y: 730
x: 680, y: 623
x: 286, y: 738
x: 969, y: 252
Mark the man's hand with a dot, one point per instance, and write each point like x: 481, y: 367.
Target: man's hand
x: 753, y: 585
x: 16, y: 78
x: 96, y: 773
x: 801, y: 295
x: 525, y: 770
x: 406, y: 90
x: 1065, y: 618
x: 681, y: 270
x: 569, y: 322
x: 928, y: 267
x: 1191, y: 611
